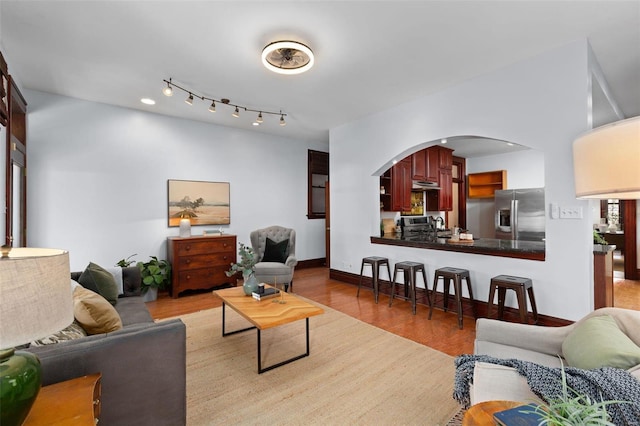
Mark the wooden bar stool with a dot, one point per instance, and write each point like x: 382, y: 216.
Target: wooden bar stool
x: 375, y: 262
x: 410, y: 270
x: 521, y: 286
x: 456, y: 275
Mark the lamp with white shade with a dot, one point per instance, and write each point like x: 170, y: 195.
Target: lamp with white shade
x: 606, y: 161
x: 35, y: 301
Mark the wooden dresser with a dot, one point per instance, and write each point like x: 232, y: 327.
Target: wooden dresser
x: 200, y: 262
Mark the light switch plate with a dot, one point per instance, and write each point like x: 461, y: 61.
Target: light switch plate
x: 570, y: 212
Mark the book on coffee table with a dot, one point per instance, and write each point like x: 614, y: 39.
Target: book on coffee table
x: 524, y: 415
x: 268, y: 293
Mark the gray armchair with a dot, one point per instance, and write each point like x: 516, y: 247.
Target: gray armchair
x: 275, y: 249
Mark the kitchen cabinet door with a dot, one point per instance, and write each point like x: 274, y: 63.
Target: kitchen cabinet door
x: 432, y: 160
x: 445, y: 158
x: 419, y: 165
x: 401, y: 185
x: 445, y: 195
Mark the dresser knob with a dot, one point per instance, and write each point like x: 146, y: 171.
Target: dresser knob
x: 188, y: 261
x: 188, y: 247
x: 188, y: 277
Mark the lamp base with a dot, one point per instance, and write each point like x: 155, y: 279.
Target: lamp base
x: 20, y: 378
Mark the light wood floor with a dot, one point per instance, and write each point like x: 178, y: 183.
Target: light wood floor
x: 441, y: 332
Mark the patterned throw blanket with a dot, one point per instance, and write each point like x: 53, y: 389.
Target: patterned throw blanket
x: 602, y: 384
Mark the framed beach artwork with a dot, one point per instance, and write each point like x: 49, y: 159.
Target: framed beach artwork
x: 205, y: 203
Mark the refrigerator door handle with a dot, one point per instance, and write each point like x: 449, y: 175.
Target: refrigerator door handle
x: 514, y: 219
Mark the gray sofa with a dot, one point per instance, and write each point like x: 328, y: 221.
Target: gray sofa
x: 143, y: 365
x: 542, y: 345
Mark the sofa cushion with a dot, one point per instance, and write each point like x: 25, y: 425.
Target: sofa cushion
x: 599, y: 342
x: 71, y: 332
x: 513, y: 386
x: 275, y: 252
x: 94, y: 313
x: 101, y: 281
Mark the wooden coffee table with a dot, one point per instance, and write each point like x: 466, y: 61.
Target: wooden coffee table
x: 267, y: 314
x: 482, y: 414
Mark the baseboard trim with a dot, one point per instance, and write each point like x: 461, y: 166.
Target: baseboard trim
x: 510, y: 314
x: 311, y: 263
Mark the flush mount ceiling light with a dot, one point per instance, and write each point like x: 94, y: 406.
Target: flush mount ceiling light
x: 168, y: 91
x: 287, y: 57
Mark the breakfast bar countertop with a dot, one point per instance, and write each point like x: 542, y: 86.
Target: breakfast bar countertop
x: 532, y: 250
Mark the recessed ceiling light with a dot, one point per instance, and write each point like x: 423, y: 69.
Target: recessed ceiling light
x: 148, y: 101
x: 287, y: 57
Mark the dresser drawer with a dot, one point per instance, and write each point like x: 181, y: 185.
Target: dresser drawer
x: 186, y: 248
x: 204, y: 261
x: 203, y: 278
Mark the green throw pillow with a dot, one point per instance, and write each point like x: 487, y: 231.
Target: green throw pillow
x: 275, y: 252
x: 99, y: 280
x: 599, y: 342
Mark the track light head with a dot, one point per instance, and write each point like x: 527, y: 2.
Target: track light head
x: 236, y: 113
x: 282, y: 122
x: 189, y: 100
x: 259, y: 119
x: 212, y: 108
x: 168, y: 91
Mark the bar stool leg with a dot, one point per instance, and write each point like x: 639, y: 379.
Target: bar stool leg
x: 522, y: 304
x: 492, y: 293
x: 446, y: 282
x: 414, y: 276
x: 393, y: 285
x: 360, y: 281
x: 471, y: 298
x: 501, y: 296
x: 457, y: 283
x: 534, y: 308
x: 374, y: 273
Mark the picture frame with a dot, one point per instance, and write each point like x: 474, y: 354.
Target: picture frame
x: 204, y: 203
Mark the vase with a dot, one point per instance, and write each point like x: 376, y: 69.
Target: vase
x: 250, y: 284
x: 150, y: 295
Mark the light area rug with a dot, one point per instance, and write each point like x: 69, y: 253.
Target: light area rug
x: 356, y: 374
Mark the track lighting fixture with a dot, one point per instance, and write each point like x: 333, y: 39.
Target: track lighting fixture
x: 168, y: 91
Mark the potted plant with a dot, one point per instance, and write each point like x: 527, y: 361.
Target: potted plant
x: 123, y: 263
x: 245, y: 266
x: 156, y: 274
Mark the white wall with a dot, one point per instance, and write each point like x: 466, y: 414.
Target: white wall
x: 98, y: 179
x: 525, y: 169
x: 540, y: 103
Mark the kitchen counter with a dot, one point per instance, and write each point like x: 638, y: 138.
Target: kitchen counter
x: 532, y: 250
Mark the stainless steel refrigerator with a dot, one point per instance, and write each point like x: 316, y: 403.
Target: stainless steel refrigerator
x: 520, y: 214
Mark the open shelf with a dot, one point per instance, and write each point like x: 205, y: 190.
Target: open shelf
x: 484, y: 185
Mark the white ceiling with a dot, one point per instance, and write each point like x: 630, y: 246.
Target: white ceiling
x: 370, y: 55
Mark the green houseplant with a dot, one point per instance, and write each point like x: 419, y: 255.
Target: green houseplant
x: 245, y: 266
x: 123, y: 263
x: 156, y: 274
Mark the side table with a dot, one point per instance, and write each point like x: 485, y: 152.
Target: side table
x: 75, y: 402
x: 481, y: 414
